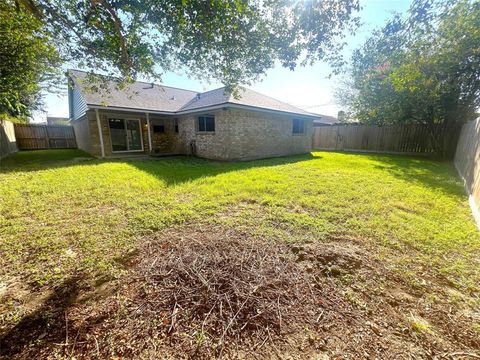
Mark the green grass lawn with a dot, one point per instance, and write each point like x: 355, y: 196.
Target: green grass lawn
x: 63, y: 213
x: 60, y: 216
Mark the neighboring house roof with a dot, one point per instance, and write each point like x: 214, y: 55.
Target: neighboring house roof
x: 53, y: 120
x: 325, y: 120
x: 160, y: 98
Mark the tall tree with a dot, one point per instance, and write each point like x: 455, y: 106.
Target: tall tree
x: 424, y: 68
x: 28, y: 62
x: 231, y: 41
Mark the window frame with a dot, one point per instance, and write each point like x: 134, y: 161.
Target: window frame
x: 159, y: 126
x: 205, y: 131
x: 158, y: 123
x: 303, y: 122
x: 125, y: 119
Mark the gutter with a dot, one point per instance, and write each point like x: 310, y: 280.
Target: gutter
x: 201, y: 110
x: 245, y: 107
x: 119, y: 108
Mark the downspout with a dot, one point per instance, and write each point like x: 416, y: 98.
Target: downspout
x: 149, y: 132
x: 100, y: 135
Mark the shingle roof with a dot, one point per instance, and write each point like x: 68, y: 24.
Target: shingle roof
x: 139, y: 95
x: 146, y: 96
x: 246, y: 97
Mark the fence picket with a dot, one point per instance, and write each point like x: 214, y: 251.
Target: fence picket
x: 399, y: 138
x: 30, y: 137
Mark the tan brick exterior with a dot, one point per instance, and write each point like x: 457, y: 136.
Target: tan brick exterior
x: 168, y: 142
x: 104, y: 116
x: 246, y: 135
x: 239, y: 135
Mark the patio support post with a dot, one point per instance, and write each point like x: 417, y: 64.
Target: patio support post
x: 100, y: 135
x: 149, y: 133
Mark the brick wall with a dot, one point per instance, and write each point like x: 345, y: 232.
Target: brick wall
x: 239, y: 135
x: 256, y: 135
x: 246, y: 135
x: 207, y: 145
x: 168, y: 142
x: 104, y: 116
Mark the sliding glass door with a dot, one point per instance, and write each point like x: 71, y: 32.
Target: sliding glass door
x: 125, y: 135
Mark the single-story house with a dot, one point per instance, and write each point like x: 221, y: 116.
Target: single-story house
x: 145, y: 118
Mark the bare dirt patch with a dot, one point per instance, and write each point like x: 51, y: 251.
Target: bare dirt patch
x: 210, y: 292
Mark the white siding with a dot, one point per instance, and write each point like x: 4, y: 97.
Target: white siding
x: 467, y: 162
x: 78, y: 104
x: 82, y: 133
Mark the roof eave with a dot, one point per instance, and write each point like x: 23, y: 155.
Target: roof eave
x: 129, y: 109
x: 203, y: 109
x: 245, y: 107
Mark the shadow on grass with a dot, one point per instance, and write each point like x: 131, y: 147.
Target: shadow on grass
x: 171, y: 170
x: 46, y: 325
x: 437, y: 175
x: 178, y: 169
x: 423, y: 170
x: 34, y: 160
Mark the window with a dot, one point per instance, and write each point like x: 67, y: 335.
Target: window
x: 125, y: 135
x: 158, y: 128
x: 298, y: 126
x: 175, y: 124
x: 206, y: 123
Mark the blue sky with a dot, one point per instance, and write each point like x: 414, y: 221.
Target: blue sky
x: 307, y: 87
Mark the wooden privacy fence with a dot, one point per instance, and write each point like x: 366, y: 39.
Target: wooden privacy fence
x: 30, y: 137
x: 405, y: 139
x: 467, y: 162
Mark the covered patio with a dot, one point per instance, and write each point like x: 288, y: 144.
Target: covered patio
x: 137, y: 134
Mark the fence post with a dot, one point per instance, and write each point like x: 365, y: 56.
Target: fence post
x: 336, y: 137
x: 47, y: 138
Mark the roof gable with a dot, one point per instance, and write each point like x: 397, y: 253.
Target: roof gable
x: 139, y: 95
x: 159, y: 98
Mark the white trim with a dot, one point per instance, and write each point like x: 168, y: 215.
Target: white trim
x: 126, y: 109
x: 204, y: 109
x: 471, y: 201
x: 245, y: 107
x: 100, y: 135
x: 149, y: 132
x: 125, y: 124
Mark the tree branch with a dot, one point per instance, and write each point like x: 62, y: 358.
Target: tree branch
x: 125, y: 57
x: 31, y: 7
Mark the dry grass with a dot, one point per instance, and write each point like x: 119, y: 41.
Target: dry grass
x: 211, y: 293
